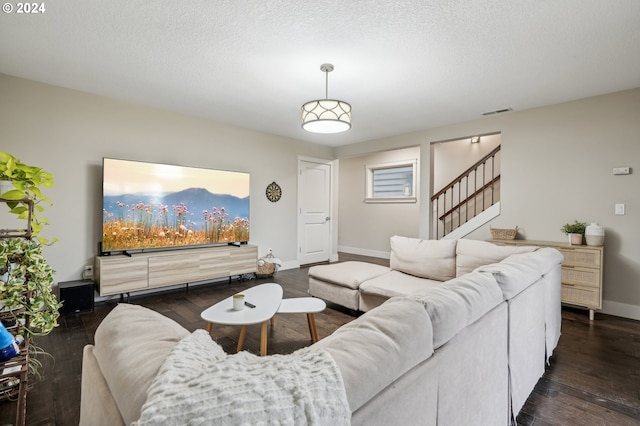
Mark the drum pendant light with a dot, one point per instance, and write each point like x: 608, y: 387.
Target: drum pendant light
x: 326, y: 115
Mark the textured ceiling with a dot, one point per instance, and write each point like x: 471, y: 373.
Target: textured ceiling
x: 403, y: 65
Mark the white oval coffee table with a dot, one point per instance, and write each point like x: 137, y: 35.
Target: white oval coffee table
x: 265, y: 297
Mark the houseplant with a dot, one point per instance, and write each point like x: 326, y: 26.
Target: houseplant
x: 26, y: 293
x: 26, y: 280
x: 575, y: 231
x: 26, y: 182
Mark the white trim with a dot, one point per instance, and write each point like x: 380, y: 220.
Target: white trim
x: 290, y: 264
x: 365, y: 252
x: 391, y: 200
x: 314, y: 159
x: 620, y: 310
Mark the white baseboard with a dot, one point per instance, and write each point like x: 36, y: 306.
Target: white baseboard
x: 364, y: 252
x: 621, y: 309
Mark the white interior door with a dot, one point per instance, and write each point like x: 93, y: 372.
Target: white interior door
x: 314, y: 195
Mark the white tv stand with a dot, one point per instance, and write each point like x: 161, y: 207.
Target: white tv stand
x: 118, y: 274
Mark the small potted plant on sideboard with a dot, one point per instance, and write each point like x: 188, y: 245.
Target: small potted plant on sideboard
x: 575, y: 231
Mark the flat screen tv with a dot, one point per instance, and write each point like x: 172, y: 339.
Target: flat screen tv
x: 151, y: 206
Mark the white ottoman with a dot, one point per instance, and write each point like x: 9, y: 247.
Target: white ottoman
x: 339, y: 282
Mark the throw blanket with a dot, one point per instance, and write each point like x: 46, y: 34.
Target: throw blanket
x: 199, y: 384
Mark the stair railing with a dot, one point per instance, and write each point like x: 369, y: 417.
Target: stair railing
x: 470, y: 193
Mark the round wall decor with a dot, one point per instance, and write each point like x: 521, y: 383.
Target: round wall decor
x: 274, y: 192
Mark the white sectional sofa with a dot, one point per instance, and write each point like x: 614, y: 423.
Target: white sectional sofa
x: 467, y: 350
x: 414, y: 264
x: 528, y: 279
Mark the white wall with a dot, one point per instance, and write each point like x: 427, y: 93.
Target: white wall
x: 556, y: 167
x: 365, y: 228
x: 68, y: 133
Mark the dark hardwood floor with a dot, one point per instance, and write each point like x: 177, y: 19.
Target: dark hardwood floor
x: 593, y: 379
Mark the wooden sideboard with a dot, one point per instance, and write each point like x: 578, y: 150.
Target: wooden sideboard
x: 118, y: 274
x: 582, y: 269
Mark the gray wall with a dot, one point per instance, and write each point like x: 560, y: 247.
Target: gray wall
x: 556, y: 166
x: 365, y: 228
x: 68, y: 133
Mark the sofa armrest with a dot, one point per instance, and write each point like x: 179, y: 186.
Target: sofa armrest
x: 97, y: 406
x: 131, y: 344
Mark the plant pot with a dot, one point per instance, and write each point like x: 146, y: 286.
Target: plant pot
x: 575, y: 239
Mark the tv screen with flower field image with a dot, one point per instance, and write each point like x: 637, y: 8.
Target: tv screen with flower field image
x: 162, y: 206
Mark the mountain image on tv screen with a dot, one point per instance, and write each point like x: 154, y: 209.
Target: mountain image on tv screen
x: 158, y: 206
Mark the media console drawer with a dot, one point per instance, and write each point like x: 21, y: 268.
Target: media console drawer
x: 117, y: 274
x: 121, y: 274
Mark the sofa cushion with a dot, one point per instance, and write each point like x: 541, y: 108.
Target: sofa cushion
x: 395, y: 283
x: 140, y: 339
x: 434, y: 259
x: 470, y: 254
x: 348, y: 274
x: 519, y: 271
x: 457, y: 303
x: 378, y: 347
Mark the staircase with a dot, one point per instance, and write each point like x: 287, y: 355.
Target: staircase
x: 468, y: 201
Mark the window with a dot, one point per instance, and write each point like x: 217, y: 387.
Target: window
x: 392, y: 182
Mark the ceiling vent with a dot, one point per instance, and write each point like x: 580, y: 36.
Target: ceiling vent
x: 498, y: 111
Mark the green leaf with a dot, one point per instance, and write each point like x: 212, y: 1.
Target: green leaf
x: 13, y: 194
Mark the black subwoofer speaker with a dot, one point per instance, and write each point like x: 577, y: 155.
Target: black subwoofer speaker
x: 76, y: 296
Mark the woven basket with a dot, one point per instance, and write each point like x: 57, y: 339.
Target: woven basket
x: 503, y: 234
x: 267, y: 269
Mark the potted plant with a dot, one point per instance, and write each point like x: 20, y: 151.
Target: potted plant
x: 26, y: 291
x: 575, y: 231
x: 27, y: 297
x: 19, y: 181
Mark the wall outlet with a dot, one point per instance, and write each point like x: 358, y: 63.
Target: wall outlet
x: 88, y: 271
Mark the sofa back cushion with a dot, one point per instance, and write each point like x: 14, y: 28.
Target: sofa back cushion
x: 378, y: 347
x: 433, y: 259
x: 517, y: 272
x: 131, y: 344
x: 471, y: 254
x: 457, y: 303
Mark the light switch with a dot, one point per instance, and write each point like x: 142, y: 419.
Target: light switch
x: 621, y: 170
x: 619, y: 208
